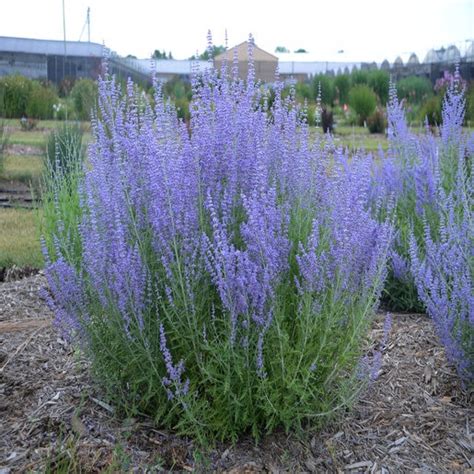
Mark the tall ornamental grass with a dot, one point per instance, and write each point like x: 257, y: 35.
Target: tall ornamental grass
x: 62, y: 213
x: 228, y: 273
x: 415, y: 166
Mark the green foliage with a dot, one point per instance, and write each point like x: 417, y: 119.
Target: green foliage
x: 360, y: 77
x: 342, y: 84
x: 470, y: 104
x: 60, y: 196
x: 84, y: 97
x: 281, y: 49
x: 236, y: 399
x: 41, y: 102
x: 157, y: 54
x: 64, y: 149
x: 215, y: 51
x: 379, y: 82
x: 377, y: 122
x: 431, y: 111
x: 176, y: 88
x: 363, y: 100
x: 15, y: 94
x: 327, y: 88
x: 182, y: 109
x: 414, y: 89
x: 304, y: 91
x: 3, y: 145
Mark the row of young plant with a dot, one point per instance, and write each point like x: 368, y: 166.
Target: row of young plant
x: 223, y: 278
x: 367, y: 93
x: 21, y: 97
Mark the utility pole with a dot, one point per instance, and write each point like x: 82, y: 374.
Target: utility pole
x: 65, y: 47
x: 88, y: 24
x: 65, y: 50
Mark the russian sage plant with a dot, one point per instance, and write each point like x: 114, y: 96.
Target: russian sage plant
x: 442, y: 260
x: 228, y: 273
x: 410, y: 173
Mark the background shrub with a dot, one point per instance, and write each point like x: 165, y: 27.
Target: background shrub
x: 470, y: 103
x: 378, y: 81
x: 15, y: 92
x: 327, y: 120
x: 64, y: 149
x: 376, y: 122
x: 84, y: 98
x: 431, y: 111
x: 304, y: 91
x: 363, y: 100
x: 41, y: 102
x: 414, y: 89
x: 327, y: 88
x: 342, y: 84
x: 359, y: 77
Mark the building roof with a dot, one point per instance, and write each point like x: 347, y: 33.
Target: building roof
x: 50, y: 47
x: 173, y: 66
x: 313, y: 67
x: 242, y: 50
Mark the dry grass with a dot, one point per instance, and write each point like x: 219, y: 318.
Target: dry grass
x: 19, y: 238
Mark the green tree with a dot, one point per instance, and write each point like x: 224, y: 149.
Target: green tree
x: 363, y: 100
x: 281, y: 49
x: 342, y: 84
x: 84, y: 98
x: 216, y: 50
x: 327, y: 88
x: 157, y: 54
x: 379, y: 82
x: 414, y: 89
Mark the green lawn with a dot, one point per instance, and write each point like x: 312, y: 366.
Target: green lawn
x: 36, y: 138
x: 49, y: 124
x: 25, y: 168
x: 19, y: 238
x: 356, y: 138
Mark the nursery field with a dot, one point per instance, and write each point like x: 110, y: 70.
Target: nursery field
x: 415, y: 418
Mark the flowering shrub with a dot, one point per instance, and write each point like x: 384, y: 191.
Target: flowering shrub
x: 432, y: 260
x: 445, y: 276
x: 227, y: 274
x: 442, y: 259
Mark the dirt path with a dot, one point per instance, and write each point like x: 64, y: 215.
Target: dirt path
x: 416, y: 418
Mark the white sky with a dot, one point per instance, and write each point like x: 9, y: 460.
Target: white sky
x: 368, y: 30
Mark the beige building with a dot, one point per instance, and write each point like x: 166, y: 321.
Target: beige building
x: 265, y: 63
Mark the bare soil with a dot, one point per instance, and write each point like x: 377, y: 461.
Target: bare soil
x: 415, y: 418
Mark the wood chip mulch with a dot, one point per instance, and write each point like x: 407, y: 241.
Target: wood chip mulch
x: 415, y: 418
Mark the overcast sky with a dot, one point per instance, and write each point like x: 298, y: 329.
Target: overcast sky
x: 364, y: 29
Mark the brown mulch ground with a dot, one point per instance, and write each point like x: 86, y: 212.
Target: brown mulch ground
x: 415, y: 418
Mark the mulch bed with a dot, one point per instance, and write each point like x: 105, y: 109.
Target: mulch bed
x: 415, y: 418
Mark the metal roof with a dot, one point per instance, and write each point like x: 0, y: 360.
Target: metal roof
x: 173, y: 66
x: 313, y: 67
x: 50, y: 47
